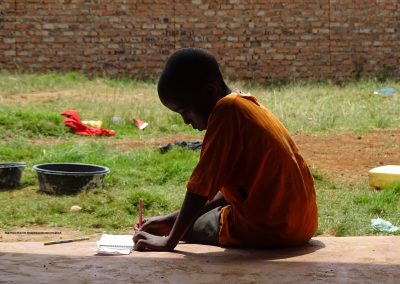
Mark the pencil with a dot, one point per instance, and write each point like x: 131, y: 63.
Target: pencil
x: 66, y: 241
x: 140, y: 212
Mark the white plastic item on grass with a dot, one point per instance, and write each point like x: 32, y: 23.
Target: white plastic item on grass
x: 382, y: 225
x: 116, y: 119
x: 381, y: 177
x: 75, y: 208
x: 139, y: 124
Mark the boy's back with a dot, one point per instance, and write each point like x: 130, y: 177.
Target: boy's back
x: 250, y: 157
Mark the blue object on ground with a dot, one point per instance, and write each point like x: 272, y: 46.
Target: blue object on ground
x: 382, y: 225
x: 385, y: 91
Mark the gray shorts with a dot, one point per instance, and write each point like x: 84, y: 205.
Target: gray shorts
x: 205, y: 229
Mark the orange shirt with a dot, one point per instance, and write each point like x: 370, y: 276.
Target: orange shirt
x: 249, y: 156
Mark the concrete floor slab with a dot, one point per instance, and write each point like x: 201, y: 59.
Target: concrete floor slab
x: 323, y: 260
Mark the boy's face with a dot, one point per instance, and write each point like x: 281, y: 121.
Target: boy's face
x: 194, y: 113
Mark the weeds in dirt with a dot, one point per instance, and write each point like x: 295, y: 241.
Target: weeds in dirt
x: 30, y: 109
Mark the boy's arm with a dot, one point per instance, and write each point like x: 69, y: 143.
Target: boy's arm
x: 162, y: 225
x: 218, y: 200
x: 192, y: 206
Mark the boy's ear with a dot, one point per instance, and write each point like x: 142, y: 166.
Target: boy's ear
x: 211, y: 91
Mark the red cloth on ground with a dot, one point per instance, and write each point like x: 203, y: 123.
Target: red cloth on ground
x: 72, y: 120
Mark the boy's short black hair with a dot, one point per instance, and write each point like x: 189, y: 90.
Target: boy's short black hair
x: 190, y: 70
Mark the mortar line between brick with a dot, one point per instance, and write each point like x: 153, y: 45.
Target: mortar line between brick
x: 330, y: 38
x: 174, y: 16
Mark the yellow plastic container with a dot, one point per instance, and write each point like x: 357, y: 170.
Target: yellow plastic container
x: 381, y: 177
x: 93, y: 123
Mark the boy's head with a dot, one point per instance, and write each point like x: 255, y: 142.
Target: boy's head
x: 191, y: 84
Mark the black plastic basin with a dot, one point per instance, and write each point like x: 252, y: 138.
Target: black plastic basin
x: 10, y: 174
x: 69, y: 178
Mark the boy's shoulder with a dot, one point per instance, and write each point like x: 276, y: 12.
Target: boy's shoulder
x: 236, y: 100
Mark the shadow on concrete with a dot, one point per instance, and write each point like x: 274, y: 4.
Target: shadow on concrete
x: 332, y: 260
x: 243, y: 268
x: 238, y: 254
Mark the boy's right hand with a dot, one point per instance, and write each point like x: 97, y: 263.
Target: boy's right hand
x: 159, y: 225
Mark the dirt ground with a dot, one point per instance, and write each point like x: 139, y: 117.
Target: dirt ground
x: 343, y: 157
x: 347, y: 157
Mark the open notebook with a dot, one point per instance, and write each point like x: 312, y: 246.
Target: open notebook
x: 115, y: 244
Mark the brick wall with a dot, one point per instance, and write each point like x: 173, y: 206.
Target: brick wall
x: 262, y: 40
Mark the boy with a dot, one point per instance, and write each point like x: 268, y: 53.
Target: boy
x: 259, y: 190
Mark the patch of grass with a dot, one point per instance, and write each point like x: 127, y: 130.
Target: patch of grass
x: 17, y: 83
x: 38, y: 114
x: 32, y: 123
x: 316, y: 174
x: 301, y: 106
x: 324, y: 106
x: 159, y: 179
x: 345, y: 210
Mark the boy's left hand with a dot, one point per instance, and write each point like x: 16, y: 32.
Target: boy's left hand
x: 145, y: 241
x: 191, y: 207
